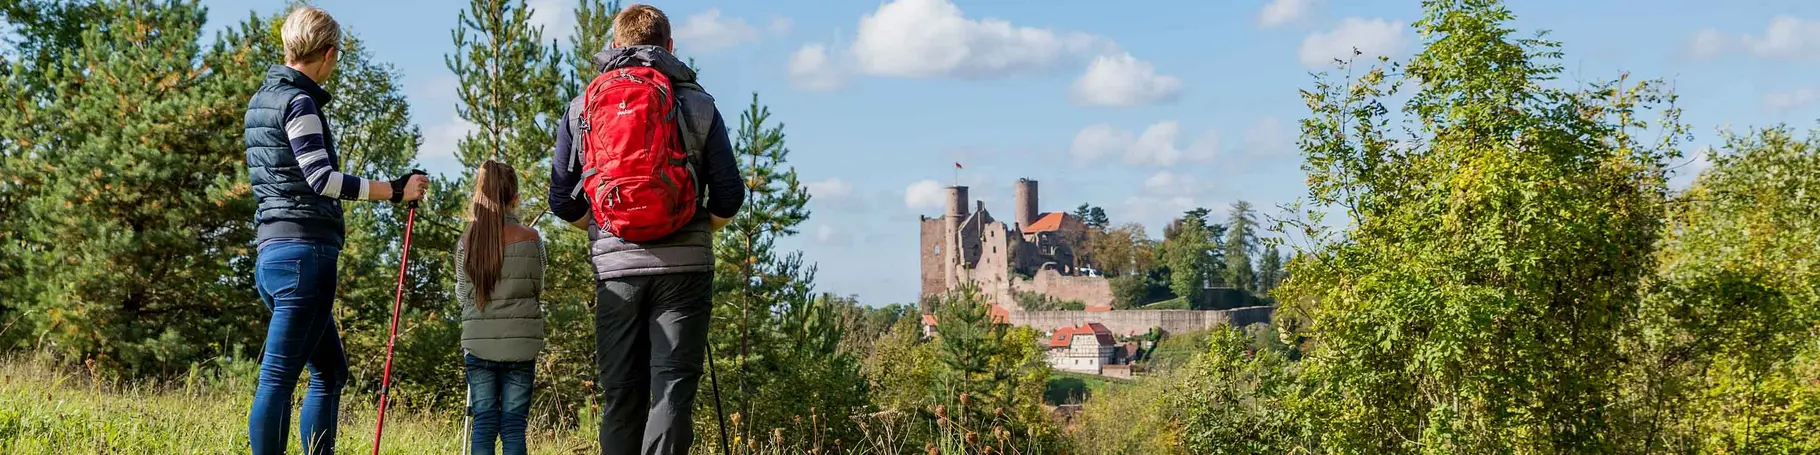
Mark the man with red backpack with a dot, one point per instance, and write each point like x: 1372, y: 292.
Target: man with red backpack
x: 643, y: 162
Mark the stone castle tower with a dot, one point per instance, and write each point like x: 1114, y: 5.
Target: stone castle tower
x: 1030, y: 253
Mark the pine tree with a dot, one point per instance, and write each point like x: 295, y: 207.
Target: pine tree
x: 593, y: 33
x: 1241, y: 244
x: 1270, y: 270
x: 775, y: 341
x: 511, y: 86
x: 128, y: 208
x: 989, y: 374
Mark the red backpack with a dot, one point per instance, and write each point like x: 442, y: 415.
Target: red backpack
x: 638, y: 176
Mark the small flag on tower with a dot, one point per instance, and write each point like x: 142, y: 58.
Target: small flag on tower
x: 957, y: 165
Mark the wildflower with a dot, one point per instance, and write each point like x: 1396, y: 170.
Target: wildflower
x: 941, y: 412
x: 972, y: 438
x: 964, y: 399
x: 930, y: 448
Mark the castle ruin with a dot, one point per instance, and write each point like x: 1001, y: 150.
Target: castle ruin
x: 1035, y: 253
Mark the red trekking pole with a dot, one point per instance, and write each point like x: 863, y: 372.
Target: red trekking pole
x: 385, y: 382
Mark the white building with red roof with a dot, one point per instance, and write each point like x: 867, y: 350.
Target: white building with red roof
x: 1085, y: 348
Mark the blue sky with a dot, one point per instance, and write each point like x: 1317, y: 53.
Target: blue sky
x: 1146, y: 108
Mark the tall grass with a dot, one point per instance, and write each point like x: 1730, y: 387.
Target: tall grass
x: 51, y: 410
x: 46, y: 409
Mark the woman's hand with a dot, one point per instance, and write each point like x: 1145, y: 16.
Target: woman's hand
x: 410, y: 187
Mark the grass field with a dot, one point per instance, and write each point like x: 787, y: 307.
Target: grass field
x: 1067, y: 387
x: 49, y: 411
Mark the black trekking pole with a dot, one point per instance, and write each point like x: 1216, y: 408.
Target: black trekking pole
x: 719, y: 415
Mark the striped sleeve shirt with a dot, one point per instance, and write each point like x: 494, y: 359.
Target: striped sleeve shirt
x: 307, y: 130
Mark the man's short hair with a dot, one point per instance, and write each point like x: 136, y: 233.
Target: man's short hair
x: 309, y: 33
x: 641, y: 25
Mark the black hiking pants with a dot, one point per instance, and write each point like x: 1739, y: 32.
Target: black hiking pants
x: 650, y: 336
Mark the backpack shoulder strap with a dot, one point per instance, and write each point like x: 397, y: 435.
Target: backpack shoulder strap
x: 574, y: 116
x: 696, y: 112
x: 577, y: 134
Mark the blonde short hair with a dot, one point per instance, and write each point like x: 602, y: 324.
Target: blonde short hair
x: 641, y: 25
x: 309, y: 33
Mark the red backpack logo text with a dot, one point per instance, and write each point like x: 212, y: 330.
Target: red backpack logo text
x: 636, y: 173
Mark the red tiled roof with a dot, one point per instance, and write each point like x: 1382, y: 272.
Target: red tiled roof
x: 999, y: 314
x: 995, y: 313
x: 1097, y: 308
x: 1048, y: 222
x: 1063, y: 336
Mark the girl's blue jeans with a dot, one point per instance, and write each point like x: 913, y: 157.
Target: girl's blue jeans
x: 499, y: 399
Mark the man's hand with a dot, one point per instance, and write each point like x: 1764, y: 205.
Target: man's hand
x: 717, y: 222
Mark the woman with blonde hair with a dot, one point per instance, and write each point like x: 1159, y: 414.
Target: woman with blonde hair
x: 499, y: 275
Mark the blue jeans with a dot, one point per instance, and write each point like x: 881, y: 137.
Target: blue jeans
x: 499, y: 398
x: 297, y: 282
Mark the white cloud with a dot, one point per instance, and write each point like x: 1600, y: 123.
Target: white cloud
x: 926, y: 195
x: 557, y: 17
x: 1788, y: 38
x: 832, y: 190
x: 1164, y: 196
x: 811, y: 69
x: 1785, y: 38
x: 708, y: 31
x: 1157, y: 145
x: 1268, y: 136
x: 1372, y: 38
x: 1789, y: 100
x: 931, y: 38
x: 1168, y: 183
x: 1124, y: 81
x: 1279, y: 12
x: 780, y: 25
x: 440, y: 140
x: 829, y: 235
x: 1708, y: 43
x: 1205, y: 148
x: 1098, y: 140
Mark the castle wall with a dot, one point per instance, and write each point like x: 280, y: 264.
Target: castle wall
x: 1087, y: 289
x: 1135, y: 322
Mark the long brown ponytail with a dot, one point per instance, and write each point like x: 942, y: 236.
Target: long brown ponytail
x: 495, y: 186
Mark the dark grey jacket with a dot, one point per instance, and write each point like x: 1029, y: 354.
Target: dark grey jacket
x: 690, y: 249
x: 288, y: 207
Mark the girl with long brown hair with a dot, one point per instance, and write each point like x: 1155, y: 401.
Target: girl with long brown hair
x: 499, y: 277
